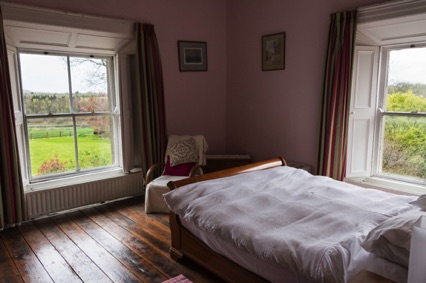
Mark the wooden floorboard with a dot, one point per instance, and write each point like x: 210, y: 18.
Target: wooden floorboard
x: 112, y: 242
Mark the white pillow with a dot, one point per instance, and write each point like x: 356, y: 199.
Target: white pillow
x: 183, y: 151
x: 420, y: 202
x: 392, y: 238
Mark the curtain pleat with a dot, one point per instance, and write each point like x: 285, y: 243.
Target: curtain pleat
x: 12, y: 206
x: 336, y: 95
x: 150, y: 98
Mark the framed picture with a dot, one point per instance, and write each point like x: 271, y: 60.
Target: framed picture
x: 192, y: 56
x: 273, y: 52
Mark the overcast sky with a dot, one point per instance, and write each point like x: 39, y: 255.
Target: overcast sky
x: 408, y: 65
x: 47, y: 73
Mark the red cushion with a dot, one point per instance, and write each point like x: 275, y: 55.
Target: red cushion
x: 178, y: 170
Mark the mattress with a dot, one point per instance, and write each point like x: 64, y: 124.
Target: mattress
x: 287, y: 220
x: 275, y: 273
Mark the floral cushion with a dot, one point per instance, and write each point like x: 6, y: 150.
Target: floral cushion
x: 183, y: 151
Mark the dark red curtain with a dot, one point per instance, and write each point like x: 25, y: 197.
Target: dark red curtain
x: 11, y: 189
x: 150, y: 97
x: 336, y: 95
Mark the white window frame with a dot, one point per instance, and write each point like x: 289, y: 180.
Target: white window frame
x: 367, y: 96
x: 116, y: 39
x: 381, y: 113
x: 389, y: 24
x: 114, y: 113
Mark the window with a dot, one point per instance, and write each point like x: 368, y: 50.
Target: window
x: 72, y: 81
x: 70, y: 117
x: 71, y: 85
x: 387, y: 119
x: 402, y: 117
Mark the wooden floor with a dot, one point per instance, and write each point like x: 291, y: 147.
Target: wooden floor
x: 113, y: 242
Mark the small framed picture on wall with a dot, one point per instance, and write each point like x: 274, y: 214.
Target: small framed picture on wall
x: 192, y: 56
x: 273, y: 52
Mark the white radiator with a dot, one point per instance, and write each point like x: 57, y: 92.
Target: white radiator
x: 43, y: 202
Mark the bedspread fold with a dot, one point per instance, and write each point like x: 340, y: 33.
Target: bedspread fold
x: 287, y: 216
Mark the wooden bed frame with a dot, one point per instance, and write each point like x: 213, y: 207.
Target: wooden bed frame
x: 184, y: 243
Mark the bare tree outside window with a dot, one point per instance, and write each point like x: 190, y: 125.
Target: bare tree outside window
x: 68, y: 111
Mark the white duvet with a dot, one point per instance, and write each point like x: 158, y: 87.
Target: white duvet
x: 287, y: 216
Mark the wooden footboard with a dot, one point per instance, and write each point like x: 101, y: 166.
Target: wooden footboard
x: 184, y: 243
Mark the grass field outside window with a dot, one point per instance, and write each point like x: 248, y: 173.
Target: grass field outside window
x: 94, y: 150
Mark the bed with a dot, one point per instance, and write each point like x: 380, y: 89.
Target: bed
x: 267, y: 222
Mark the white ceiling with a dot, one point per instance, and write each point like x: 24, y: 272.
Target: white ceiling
x: 409, y: 29
x: 39, y: 29
x: 392, y: 22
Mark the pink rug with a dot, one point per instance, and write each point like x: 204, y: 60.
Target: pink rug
x: 178, y: 279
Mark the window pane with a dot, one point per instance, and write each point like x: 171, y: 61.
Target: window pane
x: 90, y: 84
x: 95, y: 141
x: 407, y: 80
x: 51, y: 145
x: 404, y: 150
x: 45, y: 83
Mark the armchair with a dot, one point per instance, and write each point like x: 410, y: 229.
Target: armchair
x: 183, y: 158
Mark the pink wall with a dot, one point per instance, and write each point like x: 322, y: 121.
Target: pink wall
x: 195, y: 101
x: 276, y: 113
x: 239, y: 108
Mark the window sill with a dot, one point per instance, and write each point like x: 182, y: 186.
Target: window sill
x: 74, y: 180
x: 387, y: 185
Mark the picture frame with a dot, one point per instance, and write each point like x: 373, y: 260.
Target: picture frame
x: 192, y: 56
x: 273, y: 52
